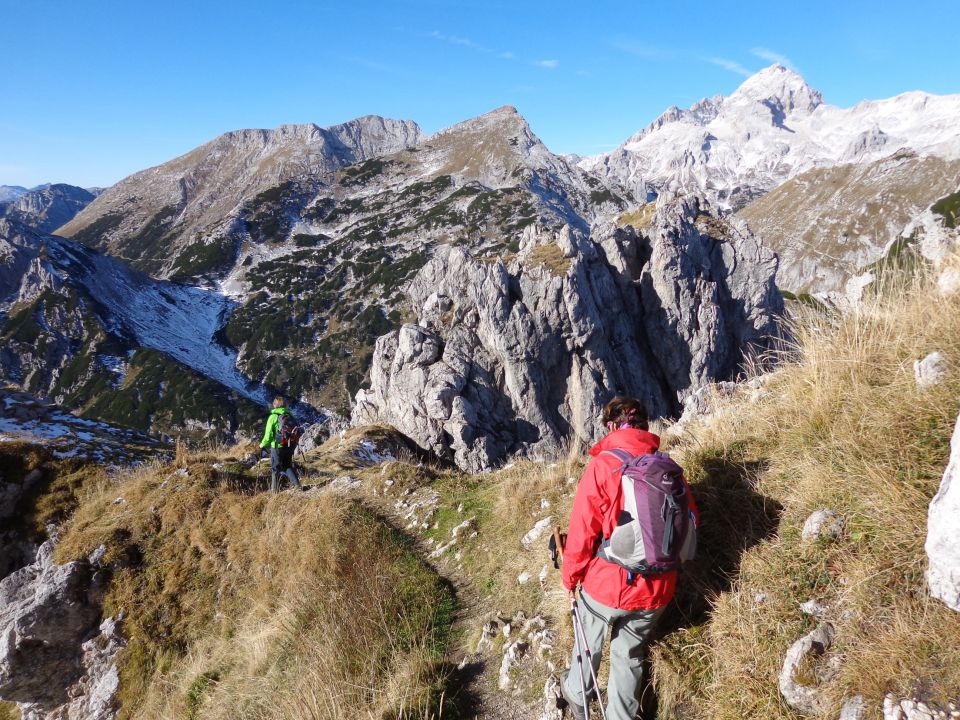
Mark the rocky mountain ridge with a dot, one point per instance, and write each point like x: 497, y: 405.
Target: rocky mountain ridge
x: 772, y: 128
x: 194, y: 201
x: 316, y: 263
x: 297, y: 243
x: 9, y: 193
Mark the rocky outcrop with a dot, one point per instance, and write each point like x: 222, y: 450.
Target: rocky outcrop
x: 943, y: 532
x: 94, y: 695
x: 46, y: 613
x: 521, y: 356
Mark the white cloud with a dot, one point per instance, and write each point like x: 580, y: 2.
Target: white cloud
x: 730, y: 65
x: 641, y: 49
x: 547, y: 64
x: 466, y: 42
x: 773, y: 57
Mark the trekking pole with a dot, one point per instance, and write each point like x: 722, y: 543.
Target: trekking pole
x: 578, y: 628
x: 577, y: 644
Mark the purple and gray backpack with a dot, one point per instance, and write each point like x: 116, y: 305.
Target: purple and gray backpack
x: 657, y: 529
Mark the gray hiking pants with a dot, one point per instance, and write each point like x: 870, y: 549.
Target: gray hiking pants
x: 281, y: 463
x: 629, y: 630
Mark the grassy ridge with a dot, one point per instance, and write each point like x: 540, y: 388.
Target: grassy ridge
x: 245, y: 604
x: 846, y: 427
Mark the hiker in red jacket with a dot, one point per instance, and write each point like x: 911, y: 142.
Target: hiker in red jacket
x: 610, y: 597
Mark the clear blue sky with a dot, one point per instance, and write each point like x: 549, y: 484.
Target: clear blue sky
x: 94, y: 90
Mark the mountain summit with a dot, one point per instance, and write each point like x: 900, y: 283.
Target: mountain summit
x: 782, y: 90
x: 772, y: 128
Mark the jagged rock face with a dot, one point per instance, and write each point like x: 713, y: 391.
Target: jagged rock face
x: 94, y: 694
x: 773, y: 127
x: 943, y: 532
x: 47, y: 208
x: 45, y: 615
x: 519, y: 357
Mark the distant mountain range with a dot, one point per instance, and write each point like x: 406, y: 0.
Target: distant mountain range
x: 282, y: 255
x: 46, y: 207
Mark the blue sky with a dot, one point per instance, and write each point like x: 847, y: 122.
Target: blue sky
x: 94, y: 90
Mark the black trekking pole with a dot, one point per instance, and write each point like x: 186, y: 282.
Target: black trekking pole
x: 578, y: 628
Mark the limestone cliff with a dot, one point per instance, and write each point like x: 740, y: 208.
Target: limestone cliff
x: 520, y: 355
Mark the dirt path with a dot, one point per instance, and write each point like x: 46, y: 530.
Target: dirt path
x: 473, y: 675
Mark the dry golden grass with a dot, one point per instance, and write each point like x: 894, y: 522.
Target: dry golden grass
x: 551, y: 257
x: 846, y: 427
x: 241, y: 603
x: 639, y: 218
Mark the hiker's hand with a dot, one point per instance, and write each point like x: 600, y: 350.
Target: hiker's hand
x: 572, y: 595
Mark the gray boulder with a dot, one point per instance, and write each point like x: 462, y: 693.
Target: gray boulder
x: 45, y: 615
x: 822, y: 523
x: 943, y: 532
x: 520, y: 357
x: 931, y: 371
x: 796, y: 687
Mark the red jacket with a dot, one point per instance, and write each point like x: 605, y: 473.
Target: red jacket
x: 595, y: 510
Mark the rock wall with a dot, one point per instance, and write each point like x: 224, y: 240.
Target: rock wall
x: 943, y: 532
x: 521, y: 356
x: 55, y: 662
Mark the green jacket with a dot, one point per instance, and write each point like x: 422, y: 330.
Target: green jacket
x: 270, y: 432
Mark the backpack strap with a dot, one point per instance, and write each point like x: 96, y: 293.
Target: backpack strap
x: 622, y: 455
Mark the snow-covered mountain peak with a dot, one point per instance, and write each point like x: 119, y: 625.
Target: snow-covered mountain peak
x: 781, y: 89
x: 772, y: 128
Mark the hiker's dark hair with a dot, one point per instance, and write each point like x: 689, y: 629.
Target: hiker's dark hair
x: 627, y: 410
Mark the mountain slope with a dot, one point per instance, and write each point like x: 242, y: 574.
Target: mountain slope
x: 829, y: 224
x: 775, y: 126
x: 87, y: 331
x: 148, y: 218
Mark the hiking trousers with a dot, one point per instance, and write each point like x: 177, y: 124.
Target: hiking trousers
x: 629, y: 631
x: 281, y: 463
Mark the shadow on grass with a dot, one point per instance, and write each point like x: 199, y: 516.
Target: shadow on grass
x: 734, y: 517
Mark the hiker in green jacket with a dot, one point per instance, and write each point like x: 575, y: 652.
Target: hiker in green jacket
x: 281, y: 452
